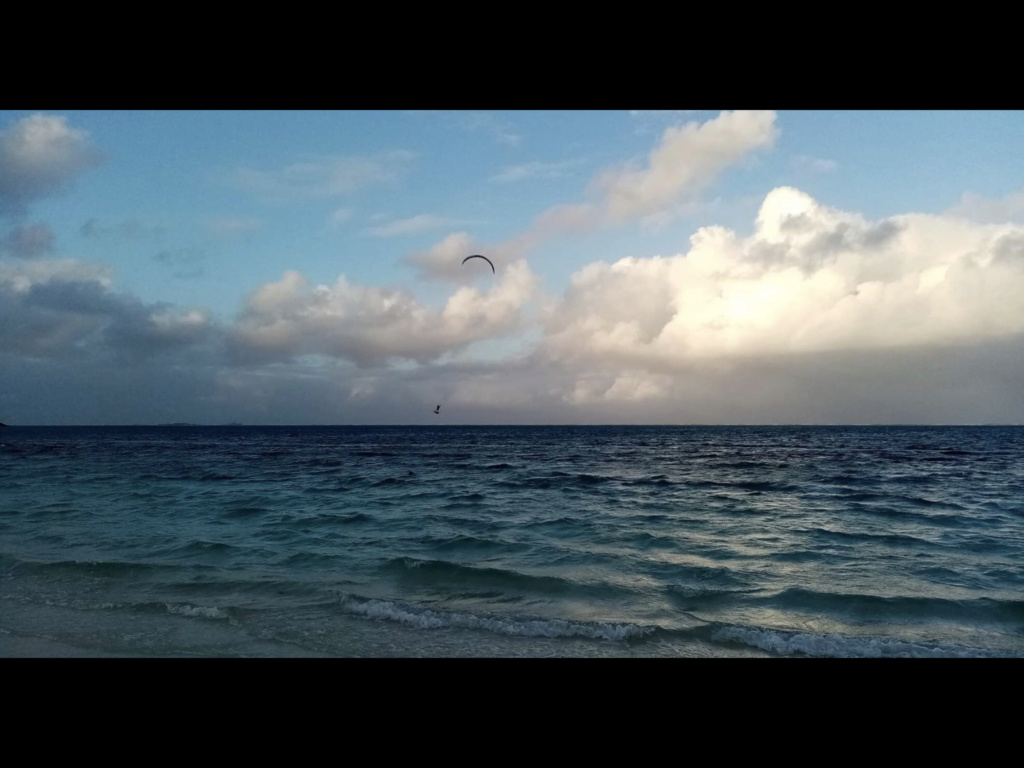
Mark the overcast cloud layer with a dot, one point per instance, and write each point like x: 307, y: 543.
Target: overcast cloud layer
x: 818, y: 315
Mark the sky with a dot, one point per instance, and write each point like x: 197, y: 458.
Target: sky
x: 651, y: 267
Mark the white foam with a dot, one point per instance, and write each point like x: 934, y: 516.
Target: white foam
x: 197, y: 610
x: 842, y: 646
x: 427, y: 619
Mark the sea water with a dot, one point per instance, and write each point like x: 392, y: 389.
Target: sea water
x: 512, y: 541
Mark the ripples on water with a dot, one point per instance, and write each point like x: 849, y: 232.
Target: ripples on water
x: 621, y: 541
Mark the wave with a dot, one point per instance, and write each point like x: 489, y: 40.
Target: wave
x: 424, y: 618
x: 439, y: 573
x: 705, y: 576
x: 198, y: 552
x: 104, y: 568
x: 393, y: 481
x: 656, y: 480
x: 787, y: 643
x: 930, y: 503
x: 912, y: 479
x: 325, y: 463
x: 796, y: 556
x: 274, y: 454
x: 243, y: 512
x: 467, y: 497
x: 205, y: 476
x: 196, y: 611
x: 464, y: 541
x: 536, y: 481
x: 645, y: 540
x: 559, y: 479
x: 310, y: 559
x: 746, y: 485
x: 950, y: 520
x: 850, y: 479
x: 889, y: 539
x: 565, y: 527
x: 736, y: 465
x: 326, y: 518
x: 691, y: 596
x: 903, y: 608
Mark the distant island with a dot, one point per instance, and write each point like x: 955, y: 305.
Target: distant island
x: 191, y: 424
x: 2, y: 424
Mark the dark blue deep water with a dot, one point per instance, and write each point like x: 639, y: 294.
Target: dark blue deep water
x: 512, y: 541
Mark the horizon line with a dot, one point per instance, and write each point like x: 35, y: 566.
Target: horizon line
x: 566, y: 424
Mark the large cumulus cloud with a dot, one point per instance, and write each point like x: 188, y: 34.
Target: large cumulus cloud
x: 370, y: 325
x: 809, y: 279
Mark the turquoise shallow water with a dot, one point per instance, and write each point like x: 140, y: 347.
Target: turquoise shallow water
x: 512, y: 541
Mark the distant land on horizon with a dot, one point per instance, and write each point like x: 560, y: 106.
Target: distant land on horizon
x: 193, y: 424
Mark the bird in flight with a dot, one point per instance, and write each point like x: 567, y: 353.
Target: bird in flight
x: 438, y: 409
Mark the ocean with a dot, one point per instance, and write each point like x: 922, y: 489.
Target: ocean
x: 490, y: 541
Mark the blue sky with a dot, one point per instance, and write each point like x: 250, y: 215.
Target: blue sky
x: 162, y: 244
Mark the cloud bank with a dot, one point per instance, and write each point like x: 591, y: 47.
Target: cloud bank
x: 67, y: 310
x: 370, y: 325
x: 810, y: 279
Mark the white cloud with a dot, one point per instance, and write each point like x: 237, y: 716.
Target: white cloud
x: 320, y: 177
x: 340, y: 216
x: 999, y: 211
x: 688, y: 159
x: 808, y: 164
x: 533, y: 170
x: 630, y: 386
x: 444, y: 259
x: 371, y: 325
x: 502, y: 132
x: 557, y: 220
x: 652, y: 120
x: 810, y: 279
x: 129, y: 228
x: 419, y: 223
x: 228, y: 227
x: 41, y: 155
